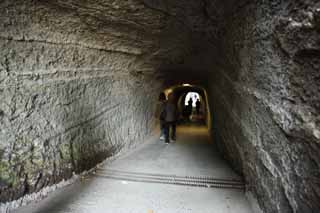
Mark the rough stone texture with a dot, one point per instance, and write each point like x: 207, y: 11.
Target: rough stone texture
x: 78, y: 80
x: 71, y: 90
x: 265, y: 98
x: 261, y: 70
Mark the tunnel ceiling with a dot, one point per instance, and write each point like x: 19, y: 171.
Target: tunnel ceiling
x: 156, y: 34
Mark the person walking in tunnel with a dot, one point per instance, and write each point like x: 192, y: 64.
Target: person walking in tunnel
x: 189, y: 107
x: 171, y: 116
x: 160, y: 113
x: 198, y: 104
x: 190, y: 102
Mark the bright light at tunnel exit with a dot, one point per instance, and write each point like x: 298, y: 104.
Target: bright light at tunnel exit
x: 194, y: 96
x: 186, y: 85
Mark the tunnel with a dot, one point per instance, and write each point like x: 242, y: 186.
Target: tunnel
x: 182, y: 95
x: 79, y: 83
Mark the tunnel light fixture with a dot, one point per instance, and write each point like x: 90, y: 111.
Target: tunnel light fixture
x: 168, y: 91
x: 186, y: 85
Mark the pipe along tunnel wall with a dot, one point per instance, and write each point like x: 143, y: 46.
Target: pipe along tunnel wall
x: 79, y: 81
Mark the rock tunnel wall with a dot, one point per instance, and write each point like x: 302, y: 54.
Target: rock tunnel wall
x: 78, y: 81
x: 265, y: 98
x: 69, y: 96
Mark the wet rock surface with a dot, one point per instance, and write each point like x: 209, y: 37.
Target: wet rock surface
x: 78, y: 81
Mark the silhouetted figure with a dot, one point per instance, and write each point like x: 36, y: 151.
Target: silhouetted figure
x: 160, y: 113
x: 189, y: 108
x: 171, y: 116
x: 190, y: 102
x: 198, y: 104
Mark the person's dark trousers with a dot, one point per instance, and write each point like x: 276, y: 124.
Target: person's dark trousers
x: 168, y: 126
x: 162, y: 128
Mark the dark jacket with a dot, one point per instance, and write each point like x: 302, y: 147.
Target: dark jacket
x: 171, y: 112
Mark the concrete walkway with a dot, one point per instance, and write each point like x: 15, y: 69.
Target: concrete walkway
x: 191, y: 155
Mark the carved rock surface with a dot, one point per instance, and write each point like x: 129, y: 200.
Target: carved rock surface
x: 79, y: 80
x: 265, y: 97
x: 72, y: 90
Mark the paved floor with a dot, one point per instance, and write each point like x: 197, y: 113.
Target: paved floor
x: 192, y: 154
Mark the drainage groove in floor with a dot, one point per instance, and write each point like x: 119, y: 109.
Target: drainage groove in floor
x: 196, y: 181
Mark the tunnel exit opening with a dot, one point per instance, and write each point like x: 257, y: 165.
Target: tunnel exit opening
x: 192, y: 104
x: 191, y: 99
